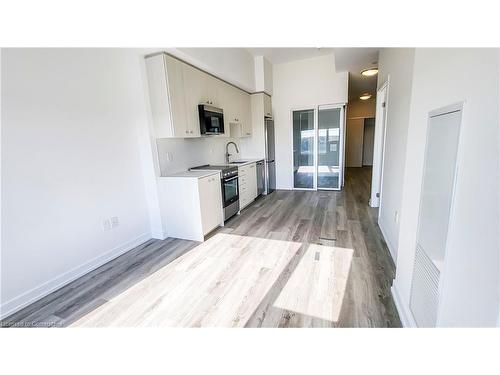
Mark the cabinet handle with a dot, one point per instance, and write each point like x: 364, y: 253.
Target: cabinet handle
x: 191, y: 132
x: 187, y: 131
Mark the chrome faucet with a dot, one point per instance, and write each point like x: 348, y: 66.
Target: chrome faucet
x: 227, y: 150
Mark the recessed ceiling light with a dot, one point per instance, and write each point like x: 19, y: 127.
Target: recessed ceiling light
x: 365, y: 96
x: 369, y: 72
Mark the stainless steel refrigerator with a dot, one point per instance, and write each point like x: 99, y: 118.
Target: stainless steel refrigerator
x: 270, y: 166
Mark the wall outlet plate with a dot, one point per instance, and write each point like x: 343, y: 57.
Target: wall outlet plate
x: 106, y: 224
x: 114, y: 221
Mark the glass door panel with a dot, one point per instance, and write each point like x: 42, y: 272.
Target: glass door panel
x: 329, y: 148
x: 303, y: 149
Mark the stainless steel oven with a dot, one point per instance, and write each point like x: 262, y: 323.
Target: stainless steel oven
x: 230, y: 192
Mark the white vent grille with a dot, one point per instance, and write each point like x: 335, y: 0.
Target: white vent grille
x: 424, y: 290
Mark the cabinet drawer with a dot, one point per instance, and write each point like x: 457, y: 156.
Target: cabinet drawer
x: 244, y: 202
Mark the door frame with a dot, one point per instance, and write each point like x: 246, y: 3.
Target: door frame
x: 315, y: 109
x: 315, y: 126
x: 379, y: 145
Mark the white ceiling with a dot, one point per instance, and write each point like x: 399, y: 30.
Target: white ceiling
x: 353, y: 60
x: 281, y: 55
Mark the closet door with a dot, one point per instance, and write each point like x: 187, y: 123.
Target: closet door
x: 435, y: 207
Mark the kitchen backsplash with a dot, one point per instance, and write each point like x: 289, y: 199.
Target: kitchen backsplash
x: 187, y: 153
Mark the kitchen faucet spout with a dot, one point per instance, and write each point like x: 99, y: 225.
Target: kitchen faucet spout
x: 227, y: 150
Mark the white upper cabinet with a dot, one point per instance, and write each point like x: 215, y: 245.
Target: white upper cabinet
x: 166, y: 95
x: 197, y: 92
x: 240, y: 114
x: 176, y: 89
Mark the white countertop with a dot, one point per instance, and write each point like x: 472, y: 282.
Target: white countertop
x: 193, y: 174
x: 247, y: 161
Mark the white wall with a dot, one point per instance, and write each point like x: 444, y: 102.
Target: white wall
x: 471, y: 274
x: 263, y: 75
x: 398, y: 64
x: 234, y: 65
x: 361, y: 108
x: 300, y: 84
x: 71, y: 119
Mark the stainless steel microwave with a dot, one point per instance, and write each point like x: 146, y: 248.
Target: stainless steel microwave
x: 211, y: 119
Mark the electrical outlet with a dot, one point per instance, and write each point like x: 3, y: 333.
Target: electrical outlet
x: 396, y: 217
x: 114, y: 221
x: 106, y: 224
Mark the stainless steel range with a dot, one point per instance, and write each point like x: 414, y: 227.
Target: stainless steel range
x: 229, y: 186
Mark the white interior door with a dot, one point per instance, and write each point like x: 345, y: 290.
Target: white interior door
x: 379, y: 146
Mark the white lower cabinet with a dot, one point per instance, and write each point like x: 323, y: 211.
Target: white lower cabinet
x: 210, y: 202
x: 248, y: 184
x: 191, y: 206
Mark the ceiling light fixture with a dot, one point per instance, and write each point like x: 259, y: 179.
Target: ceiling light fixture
x: 365, y: 96
x: 369, y: 72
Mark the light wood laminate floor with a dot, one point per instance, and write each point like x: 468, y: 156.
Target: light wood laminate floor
x: 291, y: 259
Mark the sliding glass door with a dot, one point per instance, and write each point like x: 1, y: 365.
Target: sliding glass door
x: 318, y: 147
x: 329, y: 147
x: 303, y: 149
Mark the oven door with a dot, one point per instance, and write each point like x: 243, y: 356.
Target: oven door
x: 230, y: 190
x: 211, y: 120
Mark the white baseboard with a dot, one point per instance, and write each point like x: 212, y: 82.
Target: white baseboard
x: 25, y: 299
x: 391, y: 247
x: 404, y: 312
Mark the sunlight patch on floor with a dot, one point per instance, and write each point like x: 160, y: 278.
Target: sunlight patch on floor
x: 219, y: 283
x: 317, y: 286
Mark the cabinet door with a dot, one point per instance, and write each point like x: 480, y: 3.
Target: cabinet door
x: 233, y: 104
x: 267, y: 106
x: 252, y: 181
x: 177, y: 96
x: 246, y: 116
x: 210, y: 202
x: 214, y: 91
x: 196, y: 89
x: 223, y: 100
